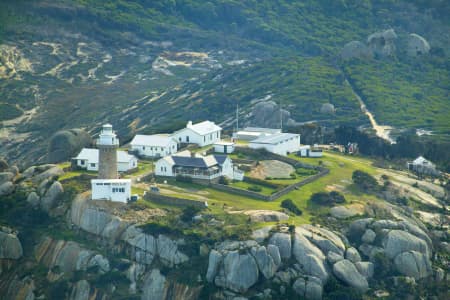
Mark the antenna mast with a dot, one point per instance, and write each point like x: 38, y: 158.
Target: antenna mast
x: 237, y: 117
x: 281, y: 118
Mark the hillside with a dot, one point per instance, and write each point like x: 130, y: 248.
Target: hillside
x: 72, y: 64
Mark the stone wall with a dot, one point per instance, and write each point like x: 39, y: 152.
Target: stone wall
x: 162, y: 199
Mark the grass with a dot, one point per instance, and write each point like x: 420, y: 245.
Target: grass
x: 246, y: 185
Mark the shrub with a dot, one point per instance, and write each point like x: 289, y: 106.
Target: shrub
x: 324, y: 198
x: 188, y: 213
x: 364, y: 181
x: 156, y: 228
x: 254, y: 188
x: 289, y: 205
x: 223, y: 180
x: 181, y: 178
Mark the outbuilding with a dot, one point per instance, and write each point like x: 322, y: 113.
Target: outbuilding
x: 278, y: 143
x: 224, y: 147
x: 203, y: 133
x: 308, y: 151
x: 157, y: 145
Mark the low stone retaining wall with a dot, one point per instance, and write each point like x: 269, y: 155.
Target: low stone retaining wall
x: 242, y: 192
x: 163, y: 199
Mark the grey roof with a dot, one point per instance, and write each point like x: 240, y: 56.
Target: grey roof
x: 274, y: 138
x: 262, y: 130
x: 198, y: 161
x: 157, y: 140
x: 91, y: 155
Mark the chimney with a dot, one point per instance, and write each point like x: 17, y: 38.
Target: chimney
x: 189, y: 124
x: 192, y: 154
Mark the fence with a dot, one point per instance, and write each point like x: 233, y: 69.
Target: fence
x: 162, y: 199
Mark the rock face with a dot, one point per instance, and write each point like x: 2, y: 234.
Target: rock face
x: 308, y: 287
x: 33, y: 199
x: 355, y: 49
x: 266, y: 263
x: 10, y: 246
x: 413, y: 264
x: 283, y: 242
x: 417, y: 45
x: 342, y: 212
x: 6, y: 176
x: 369, y: 236
x: 80, y: 291
x: 239, y: 272
x: 42, y: 172
x: 266, y: 215
x: 215, y: 259
x: 346, y: 271
x: 324, y: 239
x: 154, y: 286
x: 267, y: 114
x: 65, y: 144
x: 398, y: 241
x: 261, y: 234
x: 51, y: 197
x: 309, y: 257
x: 365, y: 268
x: 352, y: 255
x: 382, y: 43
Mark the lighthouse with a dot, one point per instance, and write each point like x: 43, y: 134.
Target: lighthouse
x: 107, y: 144
x: 108, y: 186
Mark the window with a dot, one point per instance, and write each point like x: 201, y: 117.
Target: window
x: 82, y: 162
x: 162, y: 169
x: 204, y: 138
x: 143, y: 147
x: 187, y: 139
x: 217, y: 134
x: 99, y: 183
x: 93, y: 165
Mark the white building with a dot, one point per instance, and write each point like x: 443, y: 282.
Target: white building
x: 203, y: 133
x: 308, y: 151
x: 252, y: 133
x: 157, y: 145
x: 223, y: 147
x: 88, y: 159
x: 197, y: 166
x: 108, y: 186
x: 278, y: 143
x: 118, y: 190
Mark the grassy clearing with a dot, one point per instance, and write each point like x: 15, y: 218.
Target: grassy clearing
x: 247, y: 186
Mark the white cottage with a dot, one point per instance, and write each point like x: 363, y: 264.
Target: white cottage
x: 157, y: 145
x: 308, y: 151
x: 88, y: 159
x: 203, y: 133
x: 197, y: 166
x: 278, y: 143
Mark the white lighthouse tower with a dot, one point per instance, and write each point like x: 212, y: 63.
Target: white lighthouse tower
x: 108, y: 186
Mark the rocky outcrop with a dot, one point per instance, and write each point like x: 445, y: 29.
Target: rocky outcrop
x: 383, y: 42
x: 66, y: 144
x: 154, y: 286
x: 267, y: 114
x: 33, y: 199
x: 309, y: 257
x: 19, y: 288
x: 352, y: 255
x: 368, y: 236
x: 283, y: 242
x: 398, y: 241
x: 327, y: 108
x: 365, y: 268
x: 323, y: 238
x: 308, y: 287
x: 239, y: 272
x: 266, y: 215
x: 261, y: 234
x: 50, y: 198
x: 265, y: 261
x: 39, y: 173
x: 417, y: 45
x: 346, y: 271
x: 215, y: 259
x: 342, y: 212
x: 10, y: 246
x: 6, y: 176
x: 355, y: 49
x: 413, y: 264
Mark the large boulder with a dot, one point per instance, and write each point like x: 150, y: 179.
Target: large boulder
x: 10, y: 246
x: 215, y: 259
x: 267, y: 114
x: 369, y: 236
x: 154, y: 287
x: 309, y: 257
x: 43, y: 172
x: 346, y: 271
x: 283, y: 242
x: 266, y: 215
x: 239, y: 273
x: 274, y: 252
x: 323, y: 238
x: 382, y: 43
x: 398, y: 241
x: 308, y: 287
x: 6, y: 188
x: 3, y: 165
x: 65, y: 144
x: 265, y: 262
x: 51, y: 197
x: 168, y: 251
x: 6, y: 176
x: 352, y: 255
x: 417, y: 45
x: 355, y: 49
x: 365, y: 268
x: 413, y: 264
x: 261, y: 234
x: 33, y: 199
x: 327, y: 108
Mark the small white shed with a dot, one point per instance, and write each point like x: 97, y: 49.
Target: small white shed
x: 224, y: 147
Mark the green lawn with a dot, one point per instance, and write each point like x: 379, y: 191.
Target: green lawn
x: 246, y: 185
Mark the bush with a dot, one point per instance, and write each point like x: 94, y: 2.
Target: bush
x: 254, y: 188
x: 289, y: 205
x: 324, y: 198
x: 181, y: 178
x: 156, y: 228
x: 188, y: 213
x: 364, y: 181
x: 223, y: 180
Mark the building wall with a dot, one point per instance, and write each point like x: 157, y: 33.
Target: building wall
x: 227, y: 168
x: 282, y: 148
x: 221, y: 149
x: 107, y: 168
x: 121, y: 166
x: 187, y: 135
x: 163, y: 168
x: 155, y: 151
x: 109, y: 190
